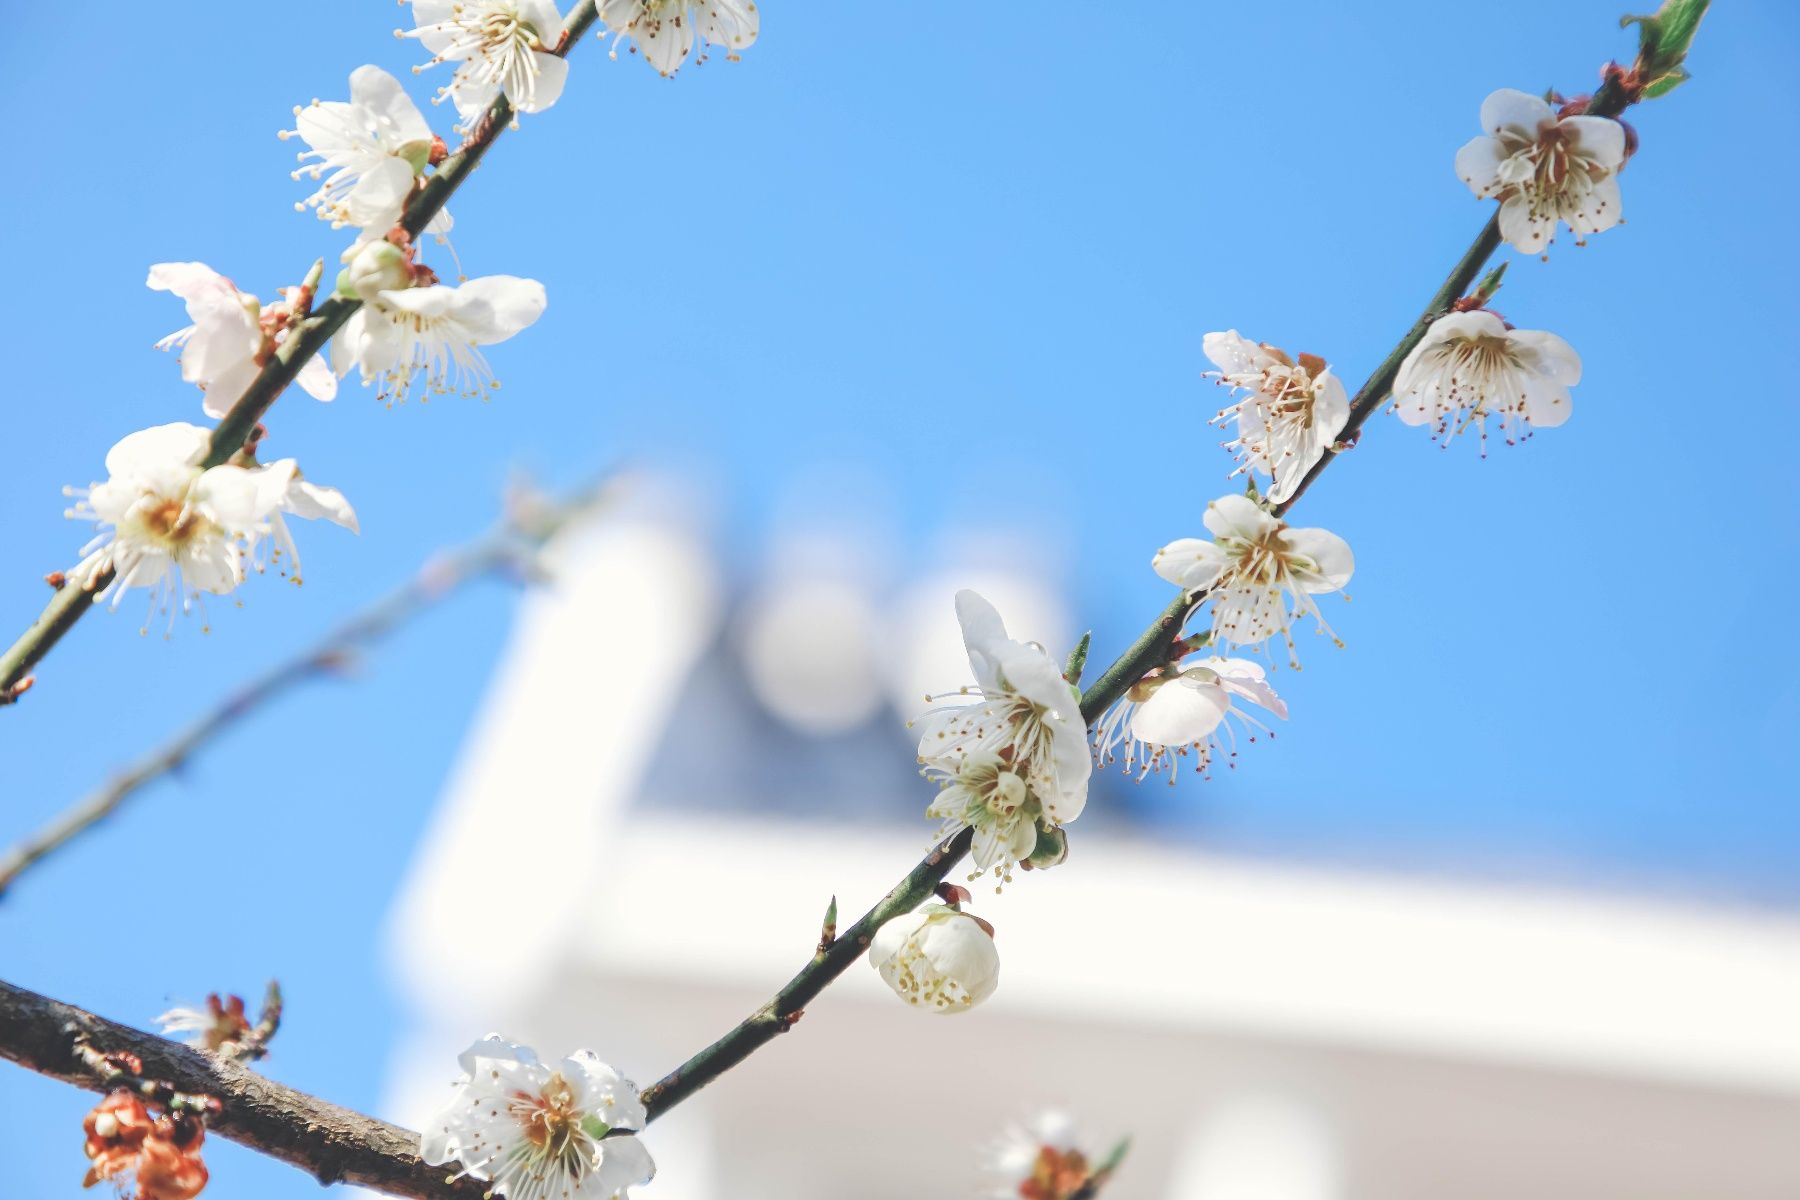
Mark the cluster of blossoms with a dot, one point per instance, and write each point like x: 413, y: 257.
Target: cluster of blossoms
x: 541, y: 1131
x: 145, y: 1157
x: 1289, y: 411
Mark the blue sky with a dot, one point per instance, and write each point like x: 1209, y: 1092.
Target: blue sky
x: 976, y: 256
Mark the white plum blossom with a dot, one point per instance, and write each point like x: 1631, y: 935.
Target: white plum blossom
x: 1288, y: 413
x: 1178, y: 711
x: 430, y: 335
x: 938, y: 958
x: 539, y: 1131
x: 288, y: 493
x: 231, y: 337
x: 666, y: 30
x: 1254, y: 563
x: 370, y: 152
x: 500, y: 48
x: 983, y: 791
x: 1013, y: 749
x: 165, y: 523
x: 1470, y: 366
x: 1544, y: 168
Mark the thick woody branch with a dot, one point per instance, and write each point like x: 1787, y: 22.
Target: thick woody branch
x: 332, y: 1144
x: 307, y: 338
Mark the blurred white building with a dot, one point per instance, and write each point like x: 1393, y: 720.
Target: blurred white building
x: 664, y: 790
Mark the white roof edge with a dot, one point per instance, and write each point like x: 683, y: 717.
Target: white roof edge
x: 1127, y: 931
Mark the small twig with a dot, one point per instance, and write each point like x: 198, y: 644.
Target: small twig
x: 332, y: 1144
x: 255, y: 1045
x: 511, y: 543
x: 775, y: 1017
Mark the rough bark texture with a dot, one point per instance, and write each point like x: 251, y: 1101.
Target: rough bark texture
x: 332, y: 1144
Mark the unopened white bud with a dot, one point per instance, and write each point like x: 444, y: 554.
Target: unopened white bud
x: 937, y: 958
x: 379, y: 266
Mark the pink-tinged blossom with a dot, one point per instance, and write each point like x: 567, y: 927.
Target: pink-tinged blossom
x: 231, y: 336
x: 1288, y: 413
x: 1544, y: 168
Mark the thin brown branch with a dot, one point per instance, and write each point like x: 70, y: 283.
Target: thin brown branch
x: 509, y: 548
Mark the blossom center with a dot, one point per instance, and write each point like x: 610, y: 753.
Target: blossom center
x: 171, y: 521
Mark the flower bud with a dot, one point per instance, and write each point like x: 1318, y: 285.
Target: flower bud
x: 1052, y: 848
x: 937, y: 958
x: 379, y: 266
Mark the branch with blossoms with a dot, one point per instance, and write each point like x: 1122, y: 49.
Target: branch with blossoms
x: 1012, y: 754
x: 511, y: 549
x: 185, y: 509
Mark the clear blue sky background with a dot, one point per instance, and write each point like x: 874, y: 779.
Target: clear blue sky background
x: 976, y: 248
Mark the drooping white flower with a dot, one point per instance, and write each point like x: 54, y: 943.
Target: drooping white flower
x: 1038, y: 1160
x: 231, y: 337
x: 1469, y: 366
x: 983, y: 791
x: 166, y: 524
x: 666, y: 30
x: 1178, y: 711
x: 1254, y: 563
x: 430, y: 335
x: 286, y: 492
x: 1021, y: 711
x: 1544, y: 168
x: 369, y: 152
x: 1288, y: 413
x: 938, y: 958
x: 500, y: 47
x: 538, y: 1131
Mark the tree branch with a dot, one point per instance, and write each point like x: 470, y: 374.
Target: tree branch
x: 509, y: 545
x: 332, y: 1144
x: 307, y: 338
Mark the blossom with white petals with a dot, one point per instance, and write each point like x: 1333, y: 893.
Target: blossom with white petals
x: 1288, y: 413
x: 287, y: 493
x: 1544, y: 168
x: 1014, y: 749
x: 1471, y: 366
x: 371, y: 150
x: 539, y: 1131
x: 1041, y: 1160
x: 938, y: 958
x: 1178, y: 711
x: 232, y: 335
x: 500, y: 48
x: 430, y: 335
x: 167, y: 524
x: 1255, y: 561
x: 983, y: 791
x: 666, y: 30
